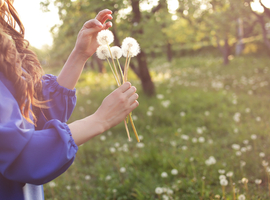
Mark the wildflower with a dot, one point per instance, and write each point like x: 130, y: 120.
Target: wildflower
x: 241, y: 197
x: 242, y: 163
x: 109, y: 133
x: 261, y: 154
x: 151, y: 108
x: 174, y: 172
x: 87, y: 177
x: 103, y: 52
x: 169, y: 191
x: 173, y: 143
x: 236, y: 117
x: 258, y: 181
x: 201, y: 139
x: 140, y: 145
x: 191, y: 159
x: 206, y: 113
x: 222, y: 177
x: 253, y: 137
x: 68, y: 187
x: 112, y: 149
x: 245, y: 142
x: 247, y: 110
x: 210, y: 161
x: 244, y: 180
x: 238, y: 153
x: 182, y: 114
x: 140, y: 137
x: 221, y: 171
x: 184, y: 148
x: 243, y: 149
x: 108, y: 178
x: 102, y: 137
x: 88, y: 101
x: 264, y: 163
x: 179, y: 130
x: 160, y: 96
x: 117, y: 144
x: 114, y: 190
x: 258, y: 119
x: 105, y: 37
x: 185, y: 137
x: 194, y: 140
x: 166, y: 103
x: 149, y: 113
x: 164, y: 175
x: 165, y: 197
x: 210, y: 141
x: 223, y: 182
x: 235, y: 130
x: 199, y: 130
x: 130, y: 47
x: 229, y: 174
x: 52, y: 184
x: 122, y: 170
x: 236, y: 146
x: 158, y: 190
x: 116, y: 52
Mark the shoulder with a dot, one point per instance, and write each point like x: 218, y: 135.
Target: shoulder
x: 6, y: 84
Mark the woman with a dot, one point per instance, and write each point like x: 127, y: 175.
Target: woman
x: 36, y: 144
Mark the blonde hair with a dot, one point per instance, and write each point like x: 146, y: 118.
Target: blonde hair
x: 18, y: 63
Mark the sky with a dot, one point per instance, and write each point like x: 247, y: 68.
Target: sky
x: 38, y: 24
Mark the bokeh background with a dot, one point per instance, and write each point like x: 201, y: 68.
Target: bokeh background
x: 203, y: 80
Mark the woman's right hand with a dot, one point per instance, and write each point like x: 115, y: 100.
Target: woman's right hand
x: 116, y: 106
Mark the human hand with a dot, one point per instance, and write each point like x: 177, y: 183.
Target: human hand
x: 86, y: 43
x: 116, y: 106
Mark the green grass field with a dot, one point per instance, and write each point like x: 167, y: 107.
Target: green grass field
x: 206, y: 120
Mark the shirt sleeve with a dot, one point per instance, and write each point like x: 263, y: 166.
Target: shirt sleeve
x: 28, y: 155
x: 61, y: 101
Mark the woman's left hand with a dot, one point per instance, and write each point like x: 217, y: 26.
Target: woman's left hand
x: 86, y: 43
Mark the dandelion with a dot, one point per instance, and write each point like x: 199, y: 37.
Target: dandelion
x: 103, y: 52
x: 179, y: 130
x: 87, y: 177
x: 116, y: 52
x: 112, y: 150
x: 242, y: 163
x: 166, y: 103
x: 258, y: 181
x: 222, y: 177
x: 238, y: 153
x: 158, y: 190
x: 206, y: 113
x: 140, y: 137
x: 165, y: 197
x: 130, y: 47
x: 247, y: 110
x: 174, y: 172
x: 105, y: 37
x: 258, y: 119
x: 52, y: 184
x: 68, y: 187
x: 221, y: 171
x: 184, y: 148
x: 199, y: 130
x: 160, y: 96
x: 122, y: 170
x: 236, y: 146
x: 185, y: 137
x: 229, y: 174
x: 253, y: 137
x: 108, y: 178
x: 201, y: 139
x: 173, y: 143
x: 264, y: 163
x: 164, y: 175
x: 114, y: 190
x: 182, y: 114
x: 102, y: 137
x: 210, y: 161
x: 149, y: 113
x: 241, y: 197
x: 140, y: 145
x: 194, y: 140
x: 262, y: 154
x: 236, y: 117
x: 245, y: 142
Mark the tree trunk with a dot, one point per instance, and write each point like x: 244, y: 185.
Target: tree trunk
x: 169, y: 52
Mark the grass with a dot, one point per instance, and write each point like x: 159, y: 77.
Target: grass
x: 201, y: 109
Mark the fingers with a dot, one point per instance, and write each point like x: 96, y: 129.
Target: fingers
x: 93, y: 23
x: 133, y: 98
x: 123, y: 88
x: 104, y: 15
x: 130, y: 91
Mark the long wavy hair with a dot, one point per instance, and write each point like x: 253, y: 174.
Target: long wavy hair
x: 18, y: 63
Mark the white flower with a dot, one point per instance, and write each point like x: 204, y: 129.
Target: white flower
x: 151, y: 108
x: 223, y: 182
x: 199, y: 130
x: 184, y: 137
x: 243, y: 149
x: 229, y: 174
x: 130, y: 47
x: 173, y: 143
x: 117, y: 144
x: 165, y: 197
x: 264, y: 163
x: 194, y: 140
x: 103, y: 52
x: 236, y: 117
x: 116, y: 52
x: 261, y: 154
x: 166, y: 103
x: 258, y: 119
x: 241, y: 197
x: 122, y: 170
x: 236, y: 146
x: 149, y: 113
x: 108, y: 178
x: 184, y: 148
x: 174, y: 171
x: 140, y: 137
x: 242, y: 163
x: 158, y: 190
x: 169, y: 191
x: 140, y: 145
x: 191, y: 159
x: 244, y: 180
x: 210, y: 161
x: 112, y: 149
x: 206, y: 113
x: 109, y: 133
x: 258, y: 181
x: 247, y: 110
x: 52, y: 184
x: 201, y: 139
x: 102, y: 137
x: 68, y: 187
x: 105, y: 37
x: 222, y: 177
x: 164, y: 175
x: 253, y: 137
x: 245, y: 142
x: 182, y: 114
x: 160, y: 96
x: 221, y: 171
x: 87, y: 177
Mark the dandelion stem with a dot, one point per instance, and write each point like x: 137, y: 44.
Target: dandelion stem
x: 133, y: 127
x: 125, y: 69
x: 120, y: 69
x: 223, y: 192
x: 114, y: 65
x: 127, y: 130
x: 113, y: 72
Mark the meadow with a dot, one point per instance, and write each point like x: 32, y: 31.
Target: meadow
x: 204, y: 135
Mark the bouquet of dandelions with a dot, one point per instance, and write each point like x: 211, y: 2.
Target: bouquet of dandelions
x: 129, y: 49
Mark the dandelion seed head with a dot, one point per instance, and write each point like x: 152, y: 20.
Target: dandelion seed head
x: 258, y: 181
x: 229, y: 174
x: 103, y: 52
x: 244, y: 180
x: 264, y: 163
x: 262, y: 154
x: 87, y: 177
x: 105, y: 37
x: 241, y: 197
x: 222, y: 177
x: 116, y: 52
x: 130, y: 47
x: 140, y: 145
x: 158, y: 190
x: 174, y: 172
x: 223, y: 182
x: 52, y: 184
x: 164, y: 175
x: 221, y: 171
x: 253, y: 137
x: 122, y: 170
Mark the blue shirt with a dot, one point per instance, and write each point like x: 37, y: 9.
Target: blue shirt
x: 32, y: 155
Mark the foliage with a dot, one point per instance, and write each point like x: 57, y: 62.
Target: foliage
x: 201, y: 109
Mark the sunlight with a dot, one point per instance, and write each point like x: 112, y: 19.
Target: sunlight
x: 256, y: 6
